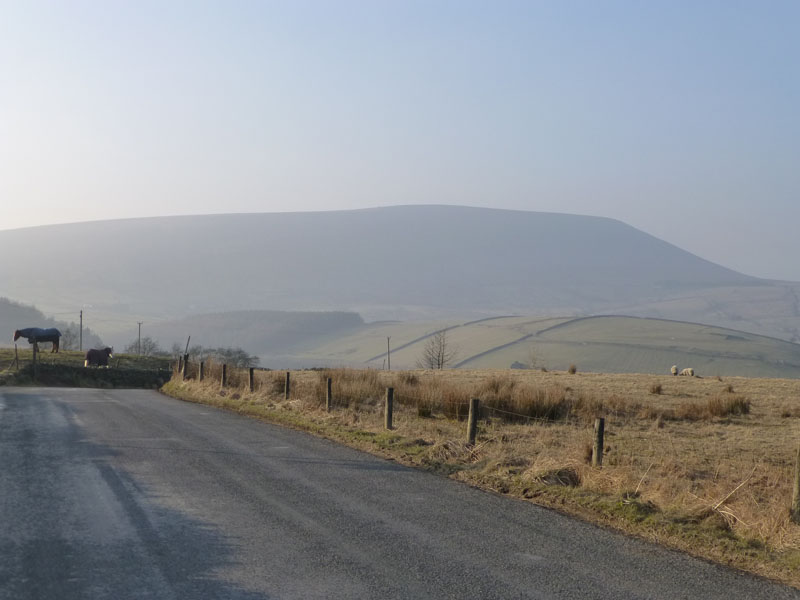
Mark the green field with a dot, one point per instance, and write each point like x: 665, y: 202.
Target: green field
x: 609, y: 344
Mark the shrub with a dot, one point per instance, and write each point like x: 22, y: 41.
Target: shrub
x: 565, y: 476
x: 689, y: 411
x: 350, y: 387
x: 429, y: 395
x: 550, y: 403
x: 454, y: 402
x: 407, y: 378
x: 275, y: 382
x: 510, y: 401
x: 572, y: 369
x: 587, y: 408
x: 496, y: 386
x: 716, y: 406
x: 719, y: 406
x: 656, y: 388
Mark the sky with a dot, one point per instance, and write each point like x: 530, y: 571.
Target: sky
x: 678, y: 118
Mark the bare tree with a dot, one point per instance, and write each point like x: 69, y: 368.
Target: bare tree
x: 69, y: 337
x: 438, y: 353
x: 235, y: 357
x: 533, y: 357
x: 147, y: 347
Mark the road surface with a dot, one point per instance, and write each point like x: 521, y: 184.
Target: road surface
x: 128, y: 494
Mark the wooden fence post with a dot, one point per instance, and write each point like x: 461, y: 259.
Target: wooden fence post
x: 34, y: 359
x: 795, y: 513
x: 201, y: 371
x: 388, y: 409
x: 472, y: 421
x: 329, y: 396
x: 186, y: 368
x: 286, y: 387
x: 180, y: 363
x: 252, y: 379
x: 597, y: 448
x: 224, y: 375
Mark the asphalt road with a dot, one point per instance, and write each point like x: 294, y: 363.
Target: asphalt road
x: 129, y: 494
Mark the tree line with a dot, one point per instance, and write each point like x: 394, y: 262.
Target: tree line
x: 236, y: 357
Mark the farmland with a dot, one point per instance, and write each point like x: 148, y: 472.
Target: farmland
x: 610, y: 344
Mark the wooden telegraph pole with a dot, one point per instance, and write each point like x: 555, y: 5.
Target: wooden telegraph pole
x: 795, y: 510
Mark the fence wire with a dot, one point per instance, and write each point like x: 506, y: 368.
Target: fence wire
x: 238, y: 377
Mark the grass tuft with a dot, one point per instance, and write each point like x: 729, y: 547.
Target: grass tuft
x: 564, y: 476
x: 719, y: 406
x: 716, y: 406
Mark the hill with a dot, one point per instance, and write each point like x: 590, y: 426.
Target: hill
x: 405, y: 262
x: 261, y: 332
x: 609, y: 344
x: 14, y: 315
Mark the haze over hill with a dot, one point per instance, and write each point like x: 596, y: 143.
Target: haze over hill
x: 15, y: 316
x: 262, y: 332
x: 404, y: 262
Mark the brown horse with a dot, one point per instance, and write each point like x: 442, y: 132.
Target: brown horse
x: 98, y: 358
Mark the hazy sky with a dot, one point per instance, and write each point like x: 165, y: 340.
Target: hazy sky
x: 679, y: 118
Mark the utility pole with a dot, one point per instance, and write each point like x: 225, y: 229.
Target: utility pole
x: 388, y: 353
x: 80, y: 335
x: 139, y: 345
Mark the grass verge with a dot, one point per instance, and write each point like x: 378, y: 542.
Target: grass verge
x: 695, y: 467
x: 66, y: 369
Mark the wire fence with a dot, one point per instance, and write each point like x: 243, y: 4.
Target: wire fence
x: 340, y: 390
x: 351, y: 389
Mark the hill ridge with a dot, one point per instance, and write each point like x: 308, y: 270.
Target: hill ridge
x: 405, y: 262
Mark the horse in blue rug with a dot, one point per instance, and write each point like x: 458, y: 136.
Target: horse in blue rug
x: 34, y: 335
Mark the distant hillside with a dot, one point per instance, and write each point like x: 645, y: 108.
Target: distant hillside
x: 598, y: 344
x: 14, y: 315
x: 263, y: 333
x: 405, y: 262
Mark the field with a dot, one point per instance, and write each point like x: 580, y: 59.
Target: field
x: 704, y: 465
x: 607, y: 344
x: 66, y: 368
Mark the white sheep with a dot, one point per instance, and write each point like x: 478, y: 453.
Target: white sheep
x: 688, y: 372
x: 674, y: 369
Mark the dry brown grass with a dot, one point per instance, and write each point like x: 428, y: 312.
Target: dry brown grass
x: 696, y: 465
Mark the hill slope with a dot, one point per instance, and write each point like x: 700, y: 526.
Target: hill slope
x: 599, y: 344
x: 385, y: 263
x: 260, y: 332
